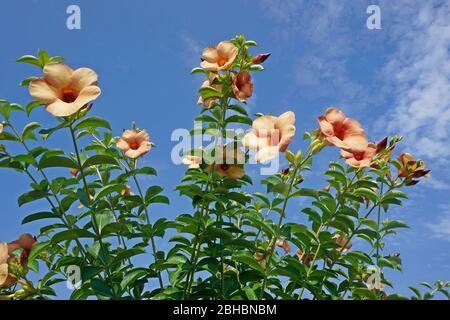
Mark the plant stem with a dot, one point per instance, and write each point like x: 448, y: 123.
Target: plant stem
x: 147, y: 215
x: 94, y: 221
x: 274, y: 240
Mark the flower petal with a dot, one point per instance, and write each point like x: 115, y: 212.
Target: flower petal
x: 142, y: 136
x: 4, y: 255
x: 3, y: 274
x: 87, y: 95
x: 266, y: 154
x: 210, y: 54
x: 122, y: 145
x: 265, y: 124
x: 253, y: 142
x: 60, y: 108
x: 84, y: 77
x: 42, y: 91
x: 287, y: 135
x: 235, y: 171
x: 211, y: 66
x: 58, y: 75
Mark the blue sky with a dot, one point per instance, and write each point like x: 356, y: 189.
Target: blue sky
x: 393, y: 80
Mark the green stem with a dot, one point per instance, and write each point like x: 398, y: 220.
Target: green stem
x: 274, y: 240
x: 147, y: 216
x: 94, y: 221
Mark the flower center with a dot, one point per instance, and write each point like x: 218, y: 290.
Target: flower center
x: 359, y: 155
x: 224, y: 167
x: 68, y: 95
x: 222, y: 61
x: 134, y: 145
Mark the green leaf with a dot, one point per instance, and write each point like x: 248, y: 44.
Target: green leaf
x: 93, y: 122
x: 46, y: 133
x: 249, y: 261
x: 39, y: 216
x: 101, y: 288
x: 38, y: 247
x: 88, y: 272
x: 57, y: 162
x: 250, y: 293
x: 30, y: 60
x: 238, y: 109
x: 209, y: 92
x: 6, y: 136
x: 32, y: 196
x: 43, y: 57
x: 99, y: 159
x: 198, y: 70
x: 151, y: 192
x: 131, y: 277
x: 305, y: 193
x: 26, y: 82
x: 160, y: 199
x: 393, y: 224
x: 239, y: 119
x: 31, y: 106
x: 369, y: 193
x: 213, y: 232
x: 107, y: 190
x: 27, y: 132
x: 256, y: 67
x: 73, y: 234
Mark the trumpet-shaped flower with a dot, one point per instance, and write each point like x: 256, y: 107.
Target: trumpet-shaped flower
x: 63, y: 90
x: 270, y: 135
x: 193, y: 162
x: 360, y: 158
x: 220, y: 57
x: 341, y: 131
x: 209, y: 102
x: 284, y: 244
x: 342, y: 242
x: 228, y: 163
x: 242, y: 85
x: 134, y: 143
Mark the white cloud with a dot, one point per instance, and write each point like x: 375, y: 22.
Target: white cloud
x: 418, y: 75
x: 441, y: 228
x: 193, y: 47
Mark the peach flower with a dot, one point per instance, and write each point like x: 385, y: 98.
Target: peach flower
x: 127, y: 191
x: 284, y: 244
x: 228, y: 163
x: 411, y: 169
x: 360, y: 158
x: 261, y: 259
x: 209, y: 102
x: 220, y: 57
x: 63, y: 90
x: 134, y: 143
x: 306, y: 258
x: 193, y: 162
x: 242, y: 85
x: 270, y: 135
x: 342, y: 243
x: 341, y: 131
x: 74, y: 172
x: 6, y: 280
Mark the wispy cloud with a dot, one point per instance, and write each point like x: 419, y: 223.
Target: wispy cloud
x: 441, y: 228
x: 418, y: 76
x: 322, y: 34
x: 193, y: 48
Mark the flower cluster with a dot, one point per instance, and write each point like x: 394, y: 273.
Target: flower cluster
x: 14, y: 255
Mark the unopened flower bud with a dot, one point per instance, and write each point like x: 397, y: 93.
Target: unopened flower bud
x: 260, y: 58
